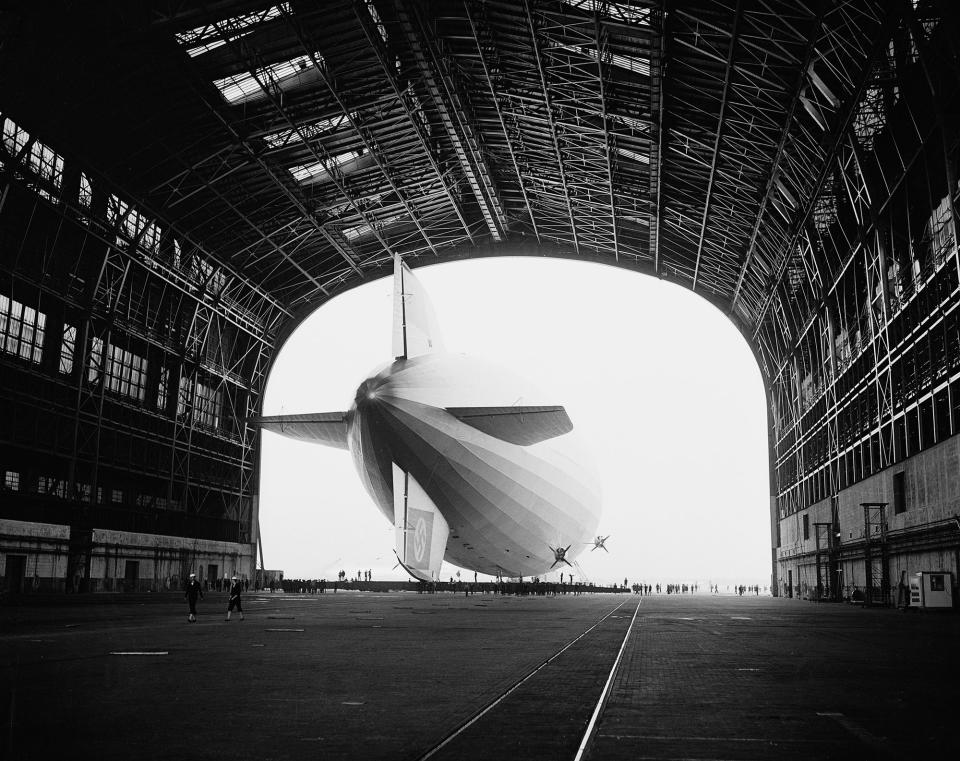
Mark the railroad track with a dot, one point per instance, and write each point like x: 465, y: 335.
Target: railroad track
x: 485, y: 722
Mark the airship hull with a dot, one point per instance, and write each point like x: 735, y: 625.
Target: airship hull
x: 507, y: 506
x: 461, y: 456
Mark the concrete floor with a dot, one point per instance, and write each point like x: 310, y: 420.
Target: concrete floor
x: 390, y: 676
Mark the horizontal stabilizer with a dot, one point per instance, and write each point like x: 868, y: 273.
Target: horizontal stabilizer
x: 516, y: 425
x: 328, y: 428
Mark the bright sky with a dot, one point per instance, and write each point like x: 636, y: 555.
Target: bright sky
x: 660, y: 386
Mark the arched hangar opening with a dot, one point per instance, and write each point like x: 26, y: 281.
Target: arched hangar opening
x: 662, y: 390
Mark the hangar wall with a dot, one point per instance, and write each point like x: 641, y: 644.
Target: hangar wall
x: 129, y: 364
x: 866, y: 408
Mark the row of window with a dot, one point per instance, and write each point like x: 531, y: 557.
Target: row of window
x: 122, y: 371
x: 920, y: 428
x: 58, y: 487
x: 130, y: 224
x: 46, y: 163
x: 21, y: 329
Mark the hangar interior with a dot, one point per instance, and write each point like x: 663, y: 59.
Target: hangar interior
x: 181, y: 183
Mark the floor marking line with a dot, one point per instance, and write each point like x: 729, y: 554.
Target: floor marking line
x: 866, y: 737
x: 138, y: 652
x: 606, y: 689
x: 480, y: 714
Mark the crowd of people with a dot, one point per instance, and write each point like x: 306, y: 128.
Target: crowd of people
x: 194, y: 589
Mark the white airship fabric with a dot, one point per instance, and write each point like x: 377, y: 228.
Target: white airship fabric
x: 420, y: 529
x: 415, y: 329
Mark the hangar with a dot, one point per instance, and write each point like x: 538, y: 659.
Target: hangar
x: 181, y: 183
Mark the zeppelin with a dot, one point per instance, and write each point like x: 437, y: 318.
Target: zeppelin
x: 454, y: 454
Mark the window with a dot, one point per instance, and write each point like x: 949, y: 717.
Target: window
x: 184, y: 395
x: 375, y: 15
x: 125, y: 373
x: 52, y: 486
x: 116, y: 496
x: 322, y: 169
x: 48, y: 165
x: 352, y: 233
x: 95, y: 366
x: 21, y: 330
x: 208, y: 37
x: 623, y: 12
x: 806, y: 525
x: 162, y: 390
x: 11, y: 480
x: 14, y: 138
x: 86, y: 191
x: 212, y: 277
x: 284, y: 75
x: 899, y: 493
x: 307, y: 131
x: 208, y: 406
x: 639, y: 157
x: 67, y: 349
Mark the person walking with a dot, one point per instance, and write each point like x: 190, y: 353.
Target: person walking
x: 234, y: 601
x: 193, y: 591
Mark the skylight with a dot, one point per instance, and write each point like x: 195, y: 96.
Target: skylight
x: 630, y: 63
x: 381, y: 28
x: 210, y: 36
x: 352, y: 233
x: 307, y: 131
x: 245, y: 86
x: 617, y: 11
x: 641, y: 157
x: 637, y: 124
x: 320, y: 169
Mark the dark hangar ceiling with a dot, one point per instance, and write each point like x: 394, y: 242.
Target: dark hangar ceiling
x: 300, y: 144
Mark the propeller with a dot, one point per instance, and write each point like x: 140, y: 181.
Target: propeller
x: 598, y: 543
x: 560, y: 555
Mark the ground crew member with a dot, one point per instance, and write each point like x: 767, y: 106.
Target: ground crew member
x: 235, y: 599
x: 193, y: 591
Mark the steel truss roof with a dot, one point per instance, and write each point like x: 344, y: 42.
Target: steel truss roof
x: 686, y: 140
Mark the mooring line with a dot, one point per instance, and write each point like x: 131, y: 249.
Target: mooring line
x: 606, y: 689
x: 486, y: 709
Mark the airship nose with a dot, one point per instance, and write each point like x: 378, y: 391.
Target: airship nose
x: 368, y: 391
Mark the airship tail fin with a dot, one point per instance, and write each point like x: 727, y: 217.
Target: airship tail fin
x: 516, y: 425
x: 415, y: 329
x: 328, y: 428
x: 421, y: 530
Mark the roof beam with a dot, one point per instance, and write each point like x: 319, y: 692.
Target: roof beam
x: 374, y: 40
x: 657, y: 91
x: 467, y: 150
x: 838, y: 137
x: 721, y: 120
x: 774, y: 167
x: 503, y: 126
x: 552, y: 122
x: 606, y: 136
x: 372, y: 149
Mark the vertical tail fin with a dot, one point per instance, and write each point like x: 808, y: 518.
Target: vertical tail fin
x: 420, y: 529
x: 415, y: 329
